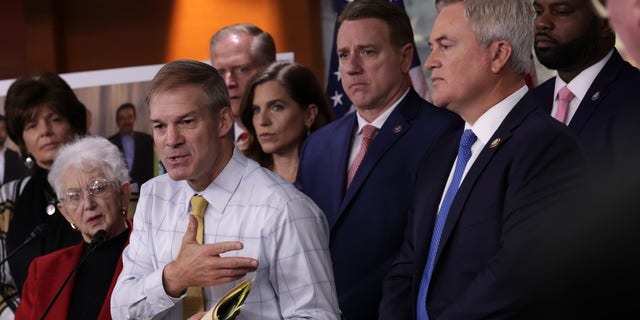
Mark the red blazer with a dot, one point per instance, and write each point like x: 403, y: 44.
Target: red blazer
x: 45, y: 277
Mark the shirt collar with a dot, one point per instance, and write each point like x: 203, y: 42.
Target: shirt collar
x: 381, y: 119
x: 582, y: 82
x: 219, y: 191
x: 488, y: 123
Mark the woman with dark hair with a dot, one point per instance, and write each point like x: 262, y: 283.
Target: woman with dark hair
x: 282, y: 105
x: 43, y: 113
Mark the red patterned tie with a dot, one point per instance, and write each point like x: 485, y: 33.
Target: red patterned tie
x: 368, y: 132
x: 564, y: 98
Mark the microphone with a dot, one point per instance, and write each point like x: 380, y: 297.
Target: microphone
x: 40, y: 231
x: 98, y: 239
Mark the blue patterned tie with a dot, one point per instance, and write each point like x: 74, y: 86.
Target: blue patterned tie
x: 464, y: 154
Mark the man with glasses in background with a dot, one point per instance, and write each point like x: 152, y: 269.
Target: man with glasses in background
x: 238, y: 52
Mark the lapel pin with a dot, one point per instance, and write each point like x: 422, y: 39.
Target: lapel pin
x: 494, y: 143
x: 397, y: 129
x: 595, y: 96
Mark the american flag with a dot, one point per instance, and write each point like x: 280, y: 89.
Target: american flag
x: 339, y: 100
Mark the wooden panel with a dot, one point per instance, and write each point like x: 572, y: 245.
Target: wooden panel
x: 12, y: 29
x: 79, y: 35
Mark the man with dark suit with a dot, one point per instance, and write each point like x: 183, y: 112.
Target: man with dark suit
x: 601, y: 235
x: 604, y: 110
x: 10, y: 163
x: 362, y: 182
x: 136, y: 147
x: 476, y: 217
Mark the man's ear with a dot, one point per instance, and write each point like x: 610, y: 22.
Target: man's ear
x: 406, y: 57
x: 500, y: 52
x: 225, y: 121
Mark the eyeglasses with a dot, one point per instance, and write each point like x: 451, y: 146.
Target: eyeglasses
x: 96, y: 188
x: 237, y: 72
x: 599, y: 6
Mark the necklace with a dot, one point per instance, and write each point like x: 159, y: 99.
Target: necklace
x: 50, y: 209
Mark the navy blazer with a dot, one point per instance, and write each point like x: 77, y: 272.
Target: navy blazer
x: 368, y: 219
x: 498, y: 213
x: 607, y: 121
x: 143, y: 162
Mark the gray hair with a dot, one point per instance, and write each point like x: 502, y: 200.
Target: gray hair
x: 510, y: 20
x: 87, y: 154
x: 262, y: 47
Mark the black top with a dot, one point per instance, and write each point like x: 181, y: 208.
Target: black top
x: 94, y: 277
x: 30, y: 211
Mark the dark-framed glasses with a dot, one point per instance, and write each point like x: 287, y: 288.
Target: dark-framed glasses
x: 600, y: 7
x: 97, y: 188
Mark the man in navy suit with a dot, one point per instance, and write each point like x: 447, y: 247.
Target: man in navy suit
x: 605, y: 111
x: 602, y: 234
x: 366, y: 205
x: 476, y: 217
x: 136, y: 147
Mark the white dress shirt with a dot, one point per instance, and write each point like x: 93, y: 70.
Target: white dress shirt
x: 378, y: 123
x: 278, y: 225
x: 484, y: 128
x: 578, y: 86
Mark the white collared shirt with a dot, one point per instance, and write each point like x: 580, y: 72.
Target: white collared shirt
x: 378, y: 123
x: 578, y: 86
x: 237, y: 131
x: 484, y: 128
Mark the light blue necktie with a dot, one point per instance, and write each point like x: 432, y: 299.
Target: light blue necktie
x: 464, y: 154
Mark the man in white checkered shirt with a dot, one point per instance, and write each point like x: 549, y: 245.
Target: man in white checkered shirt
x: 256, y: 225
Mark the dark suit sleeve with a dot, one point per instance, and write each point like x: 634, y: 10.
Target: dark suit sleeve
x: 625, y: 145
x: 398, y: 302
x: 144, y: 162
x: 541, y: 179
x: 402, y: 282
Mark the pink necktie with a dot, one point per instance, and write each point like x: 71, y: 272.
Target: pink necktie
x: 564, y: 98
x: 368, y: 132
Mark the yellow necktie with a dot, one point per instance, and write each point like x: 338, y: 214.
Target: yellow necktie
x: 194, y: 299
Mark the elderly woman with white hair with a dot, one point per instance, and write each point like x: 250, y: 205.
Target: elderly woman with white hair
x: 92, y: 182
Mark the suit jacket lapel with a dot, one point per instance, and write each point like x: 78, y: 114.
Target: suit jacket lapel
x: 596, y: 92
x: 339, y: 154
x: 429, y: 192
x: 504, y: 132
x: 544, y: 94
x: 394, y: 128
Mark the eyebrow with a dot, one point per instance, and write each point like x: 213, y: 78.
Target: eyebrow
x: 274, y: 101
x: 438, y: 39
x: 180, y: 117
x: 358, y: 47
